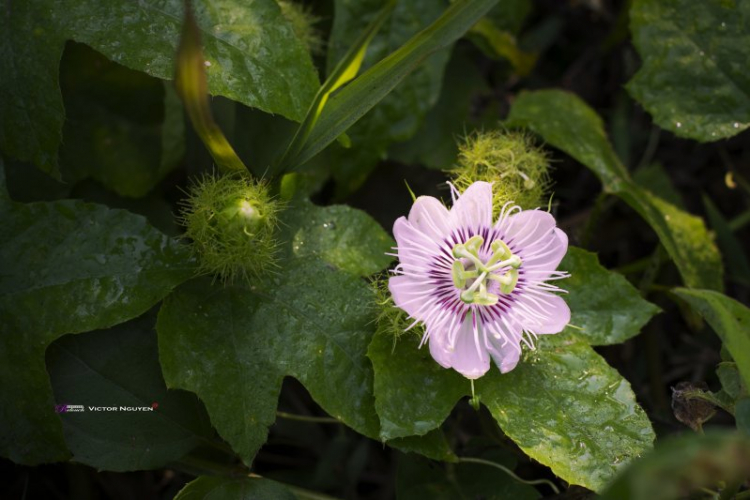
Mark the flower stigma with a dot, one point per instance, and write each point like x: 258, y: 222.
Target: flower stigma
x: 474, y: 276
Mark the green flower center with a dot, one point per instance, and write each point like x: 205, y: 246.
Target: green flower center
x: 473, y: 277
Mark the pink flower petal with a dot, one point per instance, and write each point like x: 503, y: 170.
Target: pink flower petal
x: 408, y: 294
x: 470, y: 357
x: 506, y: 356
x: 438, y: 342
x: 474, y: 207
x: 557, y: 315
x: 414, y: 248
x: 430, y: 217
x: 526, y: 228
x: 549, y: 252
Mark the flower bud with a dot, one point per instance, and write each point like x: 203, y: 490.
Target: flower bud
x: 517, y: 169
x: 231, y: 221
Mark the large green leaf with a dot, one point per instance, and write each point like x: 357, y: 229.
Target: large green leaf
x: 114, y: 132
x: 252, y: 53
x: 362, y: 94
x: 222, y: 488
x: 233, y: 346
x: 345, y: 237
x: 693, y: 79
x: 68, y: 267
x: 567, y: 123
x: 399, y: 115
x: 119, y: 368
x: 563, y: 404
x: 730, y: 320
x: 605, y: 308
x: 683, y: 465
x: 31, y: 109
x: 254, y: 57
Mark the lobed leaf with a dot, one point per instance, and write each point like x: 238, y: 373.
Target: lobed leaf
x: 232, y: 346
x: 567, y: 123
x: 605, y: 308
x: 120, y: 367
x: 563, y: 405
x: 68, y: 267
x: 692, y: 80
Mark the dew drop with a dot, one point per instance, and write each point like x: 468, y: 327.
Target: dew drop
x: 678, y: 124
x: 207, y: 64
x: 736, y: 125
x: 329, y: 225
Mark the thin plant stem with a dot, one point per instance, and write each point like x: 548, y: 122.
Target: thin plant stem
x: 305, y: 418
x: 300, y: 493
x: 510, y: 473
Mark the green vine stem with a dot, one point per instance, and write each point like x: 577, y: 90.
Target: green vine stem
x: 510, y: 473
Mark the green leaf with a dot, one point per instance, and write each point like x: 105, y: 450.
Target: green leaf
x: 31, y: 109
x: 233, y: 346
x: 498, y: 43
x: 346, y: 68
x: 563, y: 404
x: 729, y: 319
x: 255, y: 57
x: 418, y: 478
x: 692, y: 80
x: 345, y: 237
x: 222, y: 488
x: 731, y: 381
x: 68, y: 267
x: 742, y: 415
x: 683, y: 465
x: 567, y: 123
x: 603, y: 304
x: 172, y: 130
x: 732, y: 250
x: 400, y: 114
x: 433, y: 445
x: 4, y: 196
x: 119, y: 368
x: 116, y: 124
x: 358, y: 97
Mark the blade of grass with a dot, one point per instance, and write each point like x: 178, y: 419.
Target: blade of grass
x: 345, y: 71
x: 358, y: 97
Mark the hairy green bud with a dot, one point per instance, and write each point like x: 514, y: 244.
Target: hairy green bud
x: 303, y: 23
x: 231, y: 221
x: 516, y: 167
